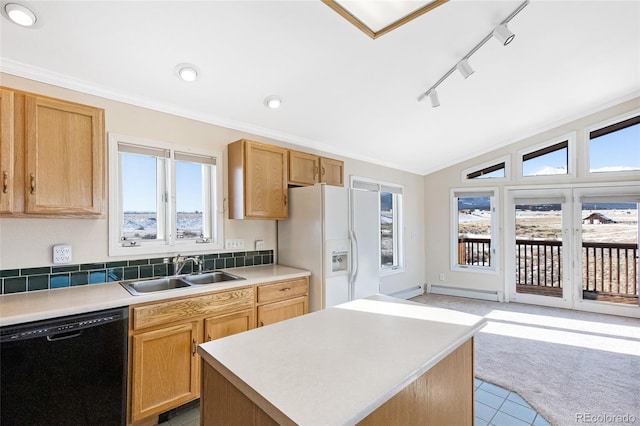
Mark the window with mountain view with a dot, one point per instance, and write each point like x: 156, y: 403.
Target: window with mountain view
x: 390, y: 203
x: 550, y: 160
x: 474, y: 233
x: 162, y: 199
x: 616, y: 147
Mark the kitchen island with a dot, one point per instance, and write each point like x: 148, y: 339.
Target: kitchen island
x: 378, y: 360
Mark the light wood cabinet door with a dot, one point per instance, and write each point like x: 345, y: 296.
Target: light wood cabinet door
x: 304, y: 169
x: 64, y: 157
x: 165, y: 369
x: 228, y: 324
x: 257, y: 181
x: 7, y: 181
x: 279, y: 311
x: 331, y: 171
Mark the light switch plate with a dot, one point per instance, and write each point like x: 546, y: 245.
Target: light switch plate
x: 61, y: 253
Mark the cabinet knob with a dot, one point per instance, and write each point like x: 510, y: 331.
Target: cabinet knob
x: 193, y: 347
x: 5, y: 181
x: 261, y: 324
x: 33, y: 183
x: 315, y: 171
x: 285, y: 200
x: 323, y: 171
x: 285, y: 289
x: 208, y: 337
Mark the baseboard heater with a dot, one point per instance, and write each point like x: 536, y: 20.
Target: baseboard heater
x: 409, y: 293
x: 464, y: 292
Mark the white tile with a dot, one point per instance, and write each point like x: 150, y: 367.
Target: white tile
x: 479, y: 422
x: 496, y: 390
x: 489, y: 399
x: 540, y: 421
x: 503, y: 419
x: 484, y: 412
x: 518, y: 399
x: 518, y: 411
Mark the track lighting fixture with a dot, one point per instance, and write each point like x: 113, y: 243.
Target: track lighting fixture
x: 501, y: 33
x: 464, y: 68
x: 433, y: 97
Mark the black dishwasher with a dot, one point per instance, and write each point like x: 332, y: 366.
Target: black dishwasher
x: 65, y: 371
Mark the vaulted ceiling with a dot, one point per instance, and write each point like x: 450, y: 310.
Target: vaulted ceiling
x: 343, y: 92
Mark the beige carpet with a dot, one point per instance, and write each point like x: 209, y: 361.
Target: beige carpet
x: 572, y: 367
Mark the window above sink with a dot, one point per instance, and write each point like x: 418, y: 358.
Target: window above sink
x: 163, y: 197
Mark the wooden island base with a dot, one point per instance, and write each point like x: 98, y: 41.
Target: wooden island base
x: 442, y: 395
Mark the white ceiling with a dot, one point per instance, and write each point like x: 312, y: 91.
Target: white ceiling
x: 343, y: 92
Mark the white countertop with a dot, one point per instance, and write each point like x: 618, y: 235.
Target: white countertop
x: 336, y: 366
x: 37, y: 305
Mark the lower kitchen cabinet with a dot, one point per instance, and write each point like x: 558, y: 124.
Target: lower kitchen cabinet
x: 280, y: 311
x: 228, y: 324
x: 282, y: 300
x: 165, y: 369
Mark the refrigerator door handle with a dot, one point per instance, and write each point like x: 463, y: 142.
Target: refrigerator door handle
x: 354, y: 263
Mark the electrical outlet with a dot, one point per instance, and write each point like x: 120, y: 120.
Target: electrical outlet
x: 259, y: 245
x: 441, y: 277
x: 61, y: 253
x: 234, y: 244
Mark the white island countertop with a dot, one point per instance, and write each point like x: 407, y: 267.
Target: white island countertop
x: 338, y: 365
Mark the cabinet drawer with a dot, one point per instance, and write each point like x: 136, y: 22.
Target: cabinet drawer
x: 283, y: 290
x: 179, y: 310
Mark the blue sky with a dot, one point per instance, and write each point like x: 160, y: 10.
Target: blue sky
x: 139, y: 177
x: 616, y: 151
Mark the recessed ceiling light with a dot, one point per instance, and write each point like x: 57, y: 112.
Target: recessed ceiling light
x: 273, y: 101
x: 187, y: 72
x: 20, y: 15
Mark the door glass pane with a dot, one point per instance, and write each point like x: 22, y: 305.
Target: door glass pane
x: 474, y: 231
x: 539, y: 249
x: 139, y: 196
x: 609, y: 252
x: 189, y: 199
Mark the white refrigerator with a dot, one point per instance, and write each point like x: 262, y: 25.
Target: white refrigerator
x: 334, y: 233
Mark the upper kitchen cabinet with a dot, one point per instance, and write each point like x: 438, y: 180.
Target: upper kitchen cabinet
x: 257, y: 181
x: 6, y: 150
x: 58, y: 156
x: 331, y: 171
x: 308, y: 169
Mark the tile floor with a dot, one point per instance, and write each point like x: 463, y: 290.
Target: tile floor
x: 495, y: 406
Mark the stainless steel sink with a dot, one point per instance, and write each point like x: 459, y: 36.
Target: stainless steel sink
x: 152, y: 285
x: 211, y: 277
x: 137, y: 287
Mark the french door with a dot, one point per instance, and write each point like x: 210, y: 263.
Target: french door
x: 574, y: 248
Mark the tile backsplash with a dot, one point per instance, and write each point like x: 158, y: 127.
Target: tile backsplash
x: 59, y: 276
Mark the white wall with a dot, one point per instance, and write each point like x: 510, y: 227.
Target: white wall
x: 438, y: 187
x: 28, y: 242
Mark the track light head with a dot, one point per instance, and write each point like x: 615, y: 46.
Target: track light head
x: 503, y: 35
x: 464, y: 68
x: 433, y: 97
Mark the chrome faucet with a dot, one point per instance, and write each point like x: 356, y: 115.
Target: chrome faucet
x: 179, y: 263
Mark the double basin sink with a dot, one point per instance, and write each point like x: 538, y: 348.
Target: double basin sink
x: 152, y: 285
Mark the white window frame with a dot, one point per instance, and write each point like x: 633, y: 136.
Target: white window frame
x: 169, y: 244
x: 587, y: 147
x: 398, y: 221
x: 495, y: 236
x: 507, y: 170
x: 571, y: 159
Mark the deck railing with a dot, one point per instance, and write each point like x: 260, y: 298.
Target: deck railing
x: 609, y: 270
